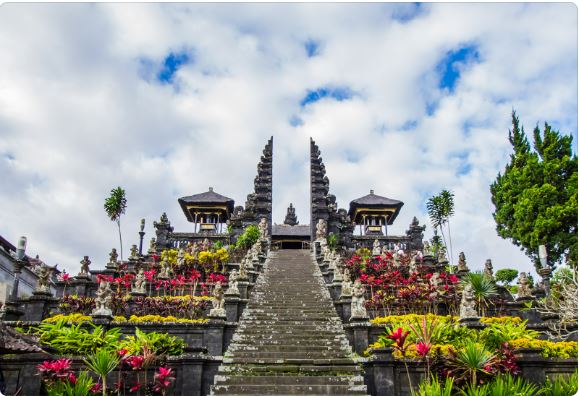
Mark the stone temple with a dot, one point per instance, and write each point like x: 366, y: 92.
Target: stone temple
x: 239, y: 305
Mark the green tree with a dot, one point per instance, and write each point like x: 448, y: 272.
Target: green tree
x: 535, y: 197
x: 115, y: 206
x: 506, y: 275
x: 440, y: 208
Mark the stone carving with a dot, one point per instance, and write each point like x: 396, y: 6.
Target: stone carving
x: 163, y: 232
x: 321, y: 229
x: 435, y: 280
x: 43, y: 284
x: 134, y: 253
x: 181, y: 257
x: 358, y: 310
x: 194, y: 250
x: 103, y: 300
x: 218, y: 302
x: 242, y: 270
x: 164, y: 273
x: 205, y: 245
x: 139, y: 285
x: 152, y: 246
x: 488, y: 271
x: 426, y: 249
x: 462, y: 263
x: 412, y: 267
x: 337, y: 268
x: 263, y: 230
x: 113, y: 260
x: 376, y: 248
x: 442, y: 255
x: 84, y: 268
x: 524, y: 289
x: 233, y: 288
x: 468, y: 303
x: 346, y: 284
x: 255, y: 253
x: 291, y: 218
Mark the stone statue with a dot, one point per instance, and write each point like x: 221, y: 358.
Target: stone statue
x: 524, y: 289
x: 358, y: 310
x: 205, y: 244
x: 488, y: 271
x: 164, y: 273
x: 249, y: 261
x: 194, y: 250
x: 44, y: 273
x: 181, y: 257
x: 337, y: 268
x: 462, y: 263
x: 113, y: 260
x: 103, y: 300
x: 412, y: 267
x: 232, y: 284
x: 139, y: 285
x: 376, y: 248
x: 321, y: 229
x: 263, y: 229
x: 84, y: 268
x: 435, y: 280
x: 255, y: 253
x: 442, y: 255
x: 152, y: 246
x: 426, y: 249
x: 396, y: 259
x: 218, y: 301
x: 468, y: 303
x: 346, y: 284
x: 242, y: 270
x: 134, y: 253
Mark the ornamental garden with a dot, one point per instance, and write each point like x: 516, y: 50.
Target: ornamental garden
x: 240, y: 305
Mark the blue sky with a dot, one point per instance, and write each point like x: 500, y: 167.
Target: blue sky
x: 169, y: 99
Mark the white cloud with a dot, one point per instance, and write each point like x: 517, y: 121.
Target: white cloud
x: 77, y: 118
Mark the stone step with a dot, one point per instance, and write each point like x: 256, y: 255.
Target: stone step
x: 281, y: 348
x: 289, y: 369
x: 289, y: 389
x: 292, y: 360
x: 285, y: 355
x: 288, y: 380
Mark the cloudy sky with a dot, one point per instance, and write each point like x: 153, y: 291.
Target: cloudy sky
x: 167, y: 100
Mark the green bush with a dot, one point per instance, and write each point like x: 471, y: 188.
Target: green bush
x: 561, y: 385
x: 157, y: 343
x: 249, y: 237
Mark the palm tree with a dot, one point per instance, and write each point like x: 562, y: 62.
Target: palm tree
x: 440, y: 209
x: 115, y: 206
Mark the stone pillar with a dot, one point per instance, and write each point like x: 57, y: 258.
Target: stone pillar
x: 360, y: 329
x: 346, y: 303
x: 243, y: 289
x: 382, y: 373
x: 82, y: 286
x: 213, y: 336
x: 38, y: 306
x: 232, y: 308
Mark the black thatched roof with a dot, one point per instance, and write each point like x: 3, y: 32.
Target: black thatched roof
x: 208, y: 198
x: 373, y: 201
x: 11, y: 341
x: 288, y: 230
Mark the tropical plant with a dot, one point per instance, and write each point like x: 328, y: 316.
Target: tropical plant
x: 83, y: 385
x: 102, y: 363
x: 496, y: 333
x: 249, y: 236
x: 561, y: 385
x: 483, y: 288
x: 502, y: 385
x: 158, y: 343
x: 332, y: 240
x: 440, y: 208
x: 115, y: 206
x: 432, y: 387
x: 470, y: 361
x: 535, y: 198
x: 506, y: 275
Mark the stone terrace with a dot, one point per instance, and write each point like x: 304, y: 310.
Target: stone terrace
x: 290, y: 339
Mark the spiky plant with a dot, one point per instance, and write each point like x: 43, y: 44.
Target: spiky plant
x: 483, y: 287
x: 102, y: 363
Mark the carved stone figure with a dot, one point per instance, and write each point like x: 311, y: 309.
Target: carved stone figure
x: 164, y: 273
x: 488, y: 271
x: 218, y: 301
x: 43, y: 284
x: 152, y: 246
x: 321, y: 229
x: 84, y: 268
x: 358, y: 310
x: 113, y: 260
x: 462, y: 263
x: 337, y: 268
x: 194, y: 250
x: 468, y: 303
x: 263, y: 229
x: 426, y: 249
x: 255, y: 253
x: 205, y: 244
x: 346, y: 284
x: 249, y: 261
x: 181, y: 257
x: 396, y: 259
x: 435, y: 280
x: 242, y: 270
x: 376, y: 248
x: 103, y: 300
x: 233, y: 288
x: 442, y: 255
x: 524, y: 289
x: 412, y: 267
x: 139, y: 285
x: 134, y: 253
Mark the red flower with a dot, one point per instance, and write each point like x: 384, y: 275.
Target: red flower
x: 399, y: 336
x: 64, y: 277
x: 423, y: 348
x: 136, y: 362
x: 122, y: 352
x: 453, y: 278
x: 163, y: 379
x: 135, y: 387
x: 96, y: 388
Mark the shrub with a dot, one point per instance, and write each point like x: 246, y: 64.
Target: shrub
x: 561, y: 385
x: 249, y: 236
x: 432, y: 387
x: 561, y: 350
x: 157, y: 343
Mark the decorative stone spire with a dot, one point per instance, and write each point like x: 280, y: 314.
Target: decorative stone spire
x: 291, y: 218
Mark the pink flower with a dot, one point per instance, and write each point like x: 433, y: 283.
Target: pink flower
x: 96, y: 388
x: 453, y: 278
x: 136, y: 362
x: 122, y: 352
x: 64, y: 277
x: 423, y: 348
x: 163, y: 379
x: 399, y: 336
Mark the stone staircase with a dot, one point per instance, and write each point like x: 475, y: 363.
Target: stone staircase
x: 290, y: 340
